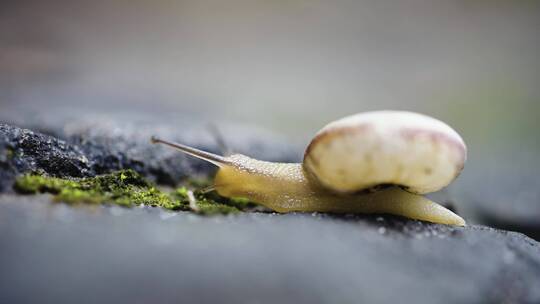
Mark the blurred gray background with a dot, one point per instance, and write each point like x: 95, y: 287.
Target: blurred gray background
x: 291, y: 67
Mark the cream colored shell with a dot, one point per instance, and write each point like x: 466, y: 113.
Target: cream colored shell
x: 385, y: 147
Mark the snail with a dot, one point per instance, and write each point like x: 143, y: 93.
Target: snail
x: 372, y: 162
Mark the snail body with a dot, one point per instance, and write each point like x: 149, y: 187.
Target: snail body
x: 323, y: 183
x: 285, y: 187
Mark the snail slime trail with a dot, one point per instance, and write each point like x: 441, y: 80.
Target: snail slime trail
x: 358, y: 152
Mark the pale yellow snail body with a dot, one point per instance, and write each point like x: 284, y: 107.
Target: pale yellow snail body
x: 345, y: 163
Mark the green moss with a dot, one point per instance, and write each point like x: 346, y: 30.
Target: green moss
x: 127, y: 188
x: 207, y: 203
x: 10, y: 153
x: 198, y: 183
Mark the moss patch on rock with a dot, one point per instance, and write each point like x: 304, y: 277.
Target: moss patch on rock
x: 127, y: 188
x: 10, y: 153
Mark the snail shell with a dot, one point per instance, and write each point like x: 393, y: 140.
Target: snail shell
x: 361, y: 151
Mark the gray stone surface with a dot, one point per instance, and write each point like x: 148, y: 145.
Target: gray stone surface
x: 59, y: 254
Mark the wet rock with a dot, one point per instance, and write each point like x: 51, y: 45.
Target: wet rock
x: 56, y: 253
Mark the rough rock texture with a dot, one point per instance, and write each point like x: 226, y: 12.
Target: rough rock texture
x: 59, y: 254
x: 22, y: 150
x: 99, y: 145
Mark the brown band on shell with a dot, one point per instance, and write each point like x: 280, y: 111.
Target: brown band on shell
x: 335, y: 132
x: 331, y: 132
x: 438, y: 136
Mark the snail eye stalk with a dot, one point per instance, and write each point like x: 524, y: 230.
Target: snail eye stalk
x: 200, y: 154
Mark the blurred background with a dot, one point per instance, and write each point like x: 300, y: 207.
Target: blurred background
x: 293, y: 66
